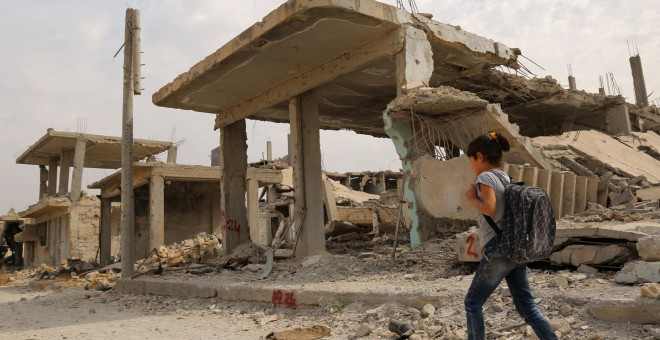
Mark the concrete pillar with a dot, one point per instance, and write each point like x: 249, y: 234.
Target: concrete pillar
x: 414, y: 64
x: 568, y: 204
x: 544, y: 179
x: 269, y: 151
x: 65, y: 165
x: 260, y: 236
x: 530, y: 175
x: 571, y: 83
x: 78, y: 166
x: 272, y: 195
x: 618, y: 120
x: 347, y: 180
x: 505, y: 167
x: 43, y: 181
x: 233, y: 160
x: 602, y: 196
x: 516, y: 171
x: 52, y: 176
x: 171, y: 155
x: 306, y: 161
x: 414, y: 67
x: 557, y: 193
x: 641, y: 97
x: 105, y: 232
x: 592, y: 189
x: 601, y: 91
x: 156, y: 212
x: 580, y: 194
x: 381, y: 183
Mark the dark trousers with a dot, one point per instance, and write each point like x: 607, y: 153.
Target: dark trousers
x: 491, y: 271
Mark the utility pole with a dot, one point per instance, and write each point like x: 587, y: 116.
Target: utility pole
x: 132, y: 84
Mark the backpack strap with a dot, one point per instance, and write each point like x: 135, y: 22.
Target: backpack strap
x: 490, y: 221
x: 493, y: 225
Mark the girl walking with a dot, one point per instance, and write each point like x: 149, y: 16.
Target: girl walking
x: 487, y: 196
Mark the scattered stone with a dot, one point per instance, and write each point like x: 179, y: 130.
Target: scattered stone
x: 639, y: 271
x: 587, y: 269
x: 409, y: 276
x: 505, y: 292
x: 560, y: 325
x: 559, y: 282
x: 312, y: 260
x: 651, y: 291
x: 648, y: 248
x: 428, y: 310
x: 498, y: 307
x: 565, y: 310
x: 363, y: 330
x: 92, y: 311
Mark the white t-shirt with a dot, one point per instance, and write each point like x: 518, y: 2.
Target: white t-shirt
x: 486, y: 233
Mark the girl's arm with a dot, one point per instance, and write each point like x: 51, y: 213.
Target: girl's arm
x: 489, y: 204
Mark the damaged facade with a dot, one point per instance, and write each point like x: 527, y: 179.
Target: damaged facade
x: 384, y: 72
x: 64, y: 223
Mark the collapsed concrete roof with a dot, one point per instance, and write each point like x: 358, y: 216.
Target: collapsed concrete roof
x: 342, y: 48
x: 102, y: 152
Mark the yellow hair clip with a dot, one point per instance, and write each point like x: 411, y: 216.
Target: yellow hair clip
x: 493, y: 135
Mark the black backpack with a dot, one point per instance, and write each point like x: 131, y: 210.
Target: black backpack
x: 526, y: 233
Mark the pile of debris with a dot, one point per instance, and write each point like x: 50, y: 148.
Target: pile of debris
x: 202, y: 248
x: 74, y: 273
x: 625, y: 165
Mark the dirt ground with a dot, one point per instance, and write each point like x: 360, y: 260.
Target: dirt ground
x: 61, y: 308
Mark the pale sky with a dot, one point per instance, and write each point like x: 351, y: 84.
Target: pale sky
x: 57, y: 69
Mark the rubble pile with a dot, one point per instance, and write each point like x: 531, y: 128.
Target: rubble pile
x: 76, y: 273
x: 200, y: 249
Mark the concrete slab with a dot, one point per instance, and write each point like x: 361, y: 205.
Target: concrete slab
x: 354, y: 67
x: 643, y: 311
x: 617, y: 154
x: 638, y: 272
x: 628, y: 231
x: 441, y: 186
x: 102, y: 152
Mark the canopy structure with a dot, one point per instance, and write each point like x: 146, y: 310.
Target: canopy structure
x: 102, y: 152
x: 343, y: 49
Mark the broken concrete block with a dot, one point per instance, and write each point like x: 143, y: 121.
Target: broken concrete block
x: 624, y: 197
x: 578, y: 254
x: 468, y: 247
x: 639, y: 271
x: 643, y: 311
x: 648, y: 248
x: 441, y: 186
x: 312, y: 260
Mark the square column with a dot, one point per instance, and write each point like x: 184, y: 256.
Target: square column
x: 52, y: 176
x: 233, y: 162
x: 65, y: 165
x: 43, y: 181
x: 156, y: 212
x: 105, y: 233
x: 306, y: 162
x: 557, y: 193
x: 78, y: 166
x: 618, y: 120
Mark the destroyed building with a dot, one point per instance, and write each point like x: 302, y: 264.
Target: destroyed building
x: 381, y: 71
x: 64, y: 223
x: 173, y: 202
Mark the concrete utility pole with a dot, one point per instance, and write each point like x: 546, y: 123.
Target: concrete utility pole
x: 132, y: 85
